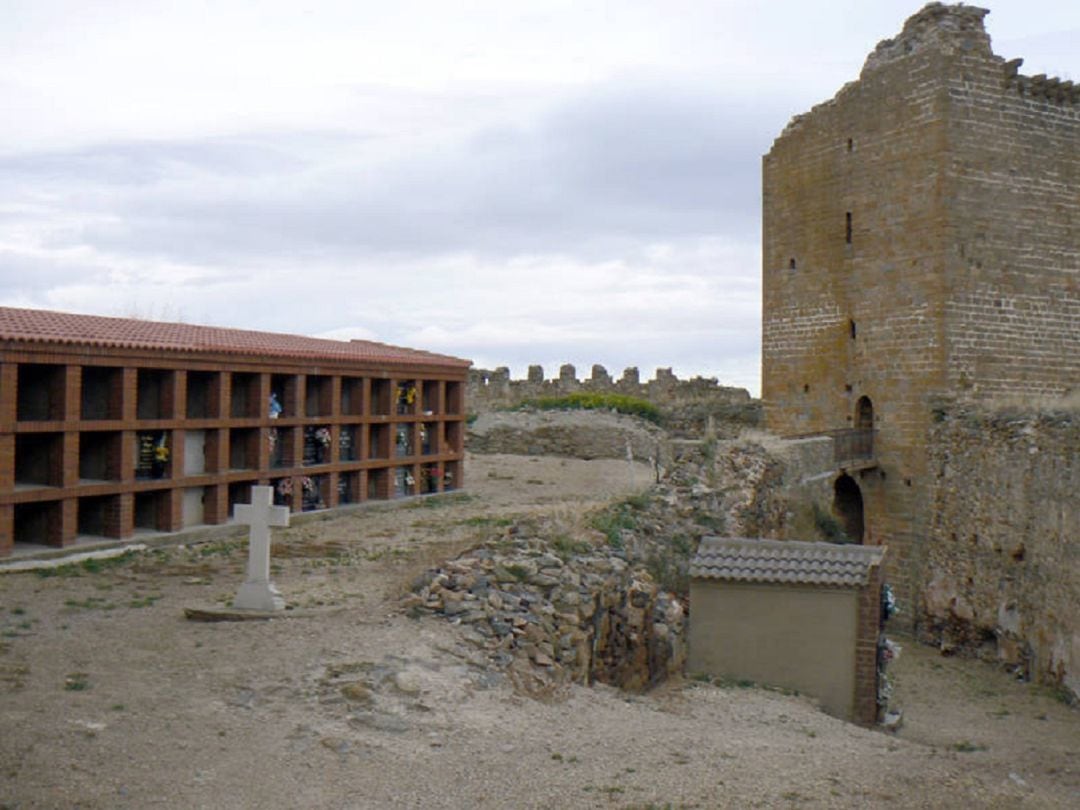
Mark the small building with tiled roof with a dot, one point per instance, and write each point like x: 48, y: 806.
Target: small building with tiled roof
x: 802, y: 616
x: 111, y: 427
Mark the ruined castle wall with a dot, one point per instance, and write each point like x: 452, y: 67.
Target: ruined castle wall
x: 1003, y: 551
x: 686, y: 404
x: 920, y: 239
x: 1013, y: 317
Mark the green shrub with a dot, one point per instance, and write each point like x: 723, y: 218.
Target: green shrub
x: 620, y: 403
x: 829, y: 527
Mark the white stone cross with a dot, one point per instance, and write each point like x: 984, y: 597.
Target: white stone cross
x: 258, y: 592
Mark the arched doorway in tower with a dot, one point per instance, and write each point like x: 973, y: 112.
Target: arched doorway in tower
x: 864, y: 414
x: 848, y: 506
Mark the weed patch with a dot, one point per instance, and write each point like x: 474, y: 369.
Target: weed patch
x: 620, y: 403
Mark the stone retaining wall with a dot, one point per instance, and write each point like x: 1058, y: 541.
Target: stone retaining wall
x: 1003, y: 555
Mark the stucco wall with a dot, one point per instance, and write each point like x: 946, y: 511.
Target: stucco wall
x: 798, y: 638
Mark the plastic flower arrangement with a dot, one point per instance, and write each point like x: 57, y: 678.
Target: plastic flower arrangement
x: 322, y: 436
x: 284, y: 487
x: 307, y: 484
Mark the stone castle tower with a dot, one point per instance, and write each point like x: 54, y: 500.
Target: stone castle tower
x: 921, y: 244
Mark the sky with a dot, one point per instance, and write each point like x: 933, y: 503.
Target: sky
x: 508, y: 181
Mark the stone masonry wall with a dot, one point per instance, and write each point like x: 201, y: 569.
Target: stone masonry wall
x: 1003, y: 552
x: 687, y: 405
x: 920, y: 241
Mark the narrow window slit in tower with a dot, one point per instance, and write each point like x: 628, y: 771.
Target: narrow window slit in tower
x: 850, y: 144
x: 851, y: 328
x: 791, y: 263
x: 847, y: 228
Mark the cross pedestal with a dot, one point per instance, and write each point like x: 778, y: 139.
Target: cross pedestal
x: 258, y: 592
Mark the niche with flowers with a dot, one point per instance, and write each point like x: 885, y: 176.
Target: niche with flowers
x: 317, y: 440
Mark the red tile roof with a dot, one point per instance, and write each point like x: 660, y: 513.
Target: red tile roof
x: 740, y: 559
x: 45, y: 326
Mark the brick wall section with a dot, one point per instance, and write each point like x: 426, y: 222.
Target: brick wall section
x: 865, y: 710
x: 957, y: 272
x: 52, y: 512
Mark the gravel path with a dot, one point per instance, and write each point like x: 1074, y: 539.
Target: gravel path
x: 109, y: 698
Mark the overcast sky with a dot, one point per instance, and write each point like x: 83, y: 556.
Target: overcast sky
x: 511, y: 182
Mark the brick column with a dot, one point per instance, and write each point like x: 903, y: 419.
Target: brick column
x: 72, y: 393
x: 331, y: 498
x: 868, y: 626
x: 69, y: 460
x: 69, y: 522
x: 122, y: 515
x: 216, y: 504
x: 7, y: 529
x: 9, y: 395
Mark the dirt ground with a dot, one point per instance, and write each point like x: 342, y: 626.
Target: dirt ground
x: 110, y: 698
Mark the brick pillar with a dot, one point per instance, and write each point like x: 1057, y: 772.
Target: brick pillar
x: 72, y: 393
x: 179, y: 387
x: 69, y: 460
x: 335, y: 397
x: 68, y: 523
x: 216, y: 504
x: 868, y: 627
x: 128, y: 449
x: 7, y: 462
x: 331, y: 497
x: 9, y: 395
x: 176, y: 454
x: 7, y: 529
x: 129, y: 388
x: 124, y: 514
x: 170, y: 517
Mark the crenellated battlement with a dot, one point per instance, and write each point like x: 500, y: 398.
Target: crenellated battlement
x: 687, y: 404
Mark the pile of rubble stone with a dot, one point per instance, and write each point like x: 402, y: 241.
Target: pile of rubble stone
x: 583, y: 614
x: 604, y: 605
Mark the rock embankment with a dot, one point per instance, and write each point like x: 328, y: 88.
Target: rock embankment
x: 572, y: 610
x: 571, y: 434
x: 605, y: 602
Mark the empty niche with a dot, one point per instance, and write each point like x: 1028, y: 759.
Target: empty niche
x: 39, y: 459
x: 102, y: 391
x: 153, y: 394
x: 98, y: 516
x: 430, y: 404
x: 352, y: 396
x: 40, y: 393
x: 377, y: 484
x: 151, y: 510
x: 38, y: 523
x: 380, y: 397
x: 99, y: 455
x: 317, y: 399
x: 454, y: 398
x: 378, y: 441
x: 243, y: 448
x: 201, y: 395
x: 243, y: 399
